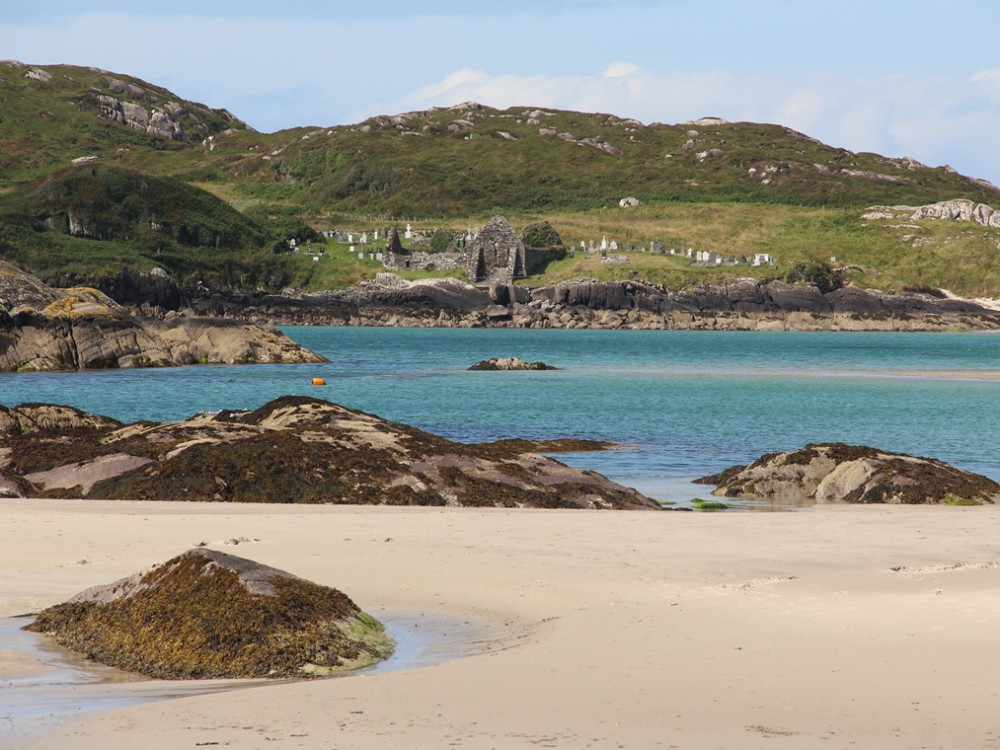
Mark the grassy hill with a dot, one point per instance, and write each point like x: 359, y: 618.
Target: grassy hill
x: 100, y: 170
x: 471, y: 159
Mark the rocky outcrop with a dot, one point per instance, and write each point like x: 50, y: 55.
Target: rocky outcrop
x: 510, y: 363
x: 959, y: 209
x: 133, y: 114
x: 292, y: 450
x: 37, y: 343
x: 834, y: 472
x: 207, y: 614
x: 43, y: 328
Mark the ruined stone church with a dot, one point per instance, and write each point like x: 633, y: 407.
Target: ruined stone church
x: 496, y: 254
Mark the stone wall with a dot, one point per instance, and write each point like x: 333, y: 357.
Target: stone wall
x: 535, y: 259
x: 424, y: 261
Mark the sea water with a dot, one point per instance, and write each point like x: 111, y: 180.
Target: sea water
x: 682, y: 404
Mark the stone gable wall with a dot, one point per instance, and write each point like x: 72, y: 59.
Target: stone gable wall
x: 496, y: 254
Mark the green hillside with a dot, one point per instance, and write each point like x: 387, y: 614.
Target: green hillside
x: 92, y: 220
x: 100, y: 170
x: 52, y: 115
x: 470, y: 159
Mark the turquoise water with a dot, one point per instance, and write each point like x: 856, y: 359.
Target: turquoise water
x: 686, y: 403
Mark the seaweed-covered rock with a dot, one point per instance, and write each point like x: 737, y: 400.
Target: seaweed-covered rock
x: 294, y: 449
x: 206, y: 614
x: 835, y: 472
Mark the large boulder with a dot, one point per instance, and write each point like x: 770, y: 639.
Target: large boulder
x: 835, y: 472
x: 294, y: 449
x: 207, y: 614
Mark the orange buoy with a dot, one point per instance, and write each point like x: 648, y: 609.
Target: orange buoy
x: 319, y: 381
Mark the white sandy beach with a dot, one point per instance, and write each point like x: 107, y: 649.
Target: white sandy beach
x: 846, y: 627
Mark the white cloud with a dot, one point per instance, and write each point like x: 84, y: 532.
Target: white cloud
x: 989, y: 76
x: 619, y: 69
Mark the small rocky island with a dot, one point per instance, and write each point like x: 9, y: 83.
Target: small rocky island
x: 835, y: 472
x: 207, y: 614
x: 43, y: 328
x: 510, y: 363
x: 294, y: 449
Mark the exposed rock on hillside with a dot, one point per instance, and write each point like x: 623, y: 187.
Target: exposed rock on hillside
x: 206, y: 614
x: 959, y: 209
x: 834, y: 472
x: 43, y: 328
x: 291, y: 450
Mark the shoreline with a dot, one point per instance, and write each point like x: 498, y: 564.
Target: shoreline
x: 844, y: 626
x: 49, y: 686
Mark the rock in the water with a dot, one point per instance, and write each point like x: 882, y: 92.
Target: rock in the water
x: 835, y: 472
x: 206, y: 614
x: 510, y: 363
x: 292, y: 450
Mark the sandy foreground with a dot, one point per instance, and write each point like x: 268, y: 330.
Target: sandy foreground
x: 829, y: 628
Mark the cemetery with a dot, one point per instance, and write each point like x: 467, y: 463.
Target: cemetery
x: 495, y: 253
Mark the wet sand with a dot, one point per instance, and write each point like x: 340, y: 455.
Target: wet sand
x: 45, y: 685
x: 835, y: 627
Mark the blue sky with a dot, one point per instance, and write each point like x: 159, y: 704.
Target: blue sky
x: 898, y: 77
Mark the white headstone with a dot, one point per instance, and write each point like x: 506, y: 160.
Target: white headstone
x: 604, y: 243
x: 409, y: 232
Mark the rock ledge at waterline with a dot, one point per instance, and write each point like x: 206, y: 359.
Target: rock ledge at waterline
x: 835, y: 472
x: 43, y: 328
x: 207, y: 614
x: 295, y: 449
x: 735, y: 305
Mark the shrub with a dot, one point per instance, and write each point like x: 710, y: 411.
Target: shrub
x: 441, y: 241
x: 818, y: 273
x: 541, y: 234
